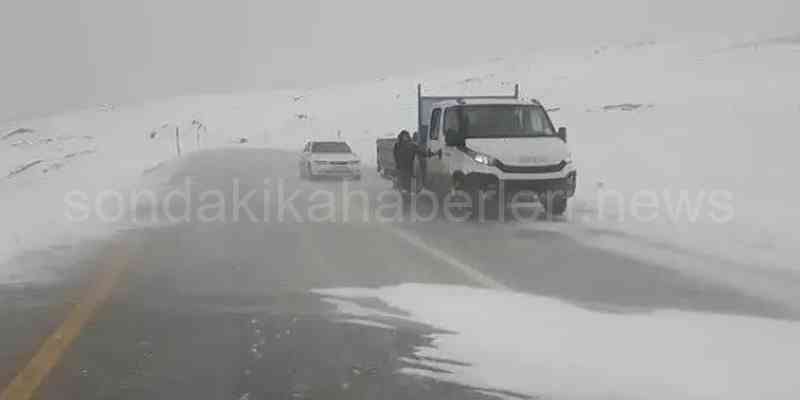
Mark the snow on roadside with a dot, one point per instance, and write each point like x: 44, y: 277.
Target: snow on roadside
x: 697, y: 178
x: 96, y: 157
x: 543, y: 347
x: 697, y: 116
x: 717, y: 122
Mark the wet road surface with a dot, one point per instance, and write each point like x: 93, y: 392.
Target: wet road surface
x: 223, y: 309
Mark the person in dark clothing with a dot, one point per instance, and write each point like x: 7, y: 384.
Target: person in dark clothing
x: 405, y: 151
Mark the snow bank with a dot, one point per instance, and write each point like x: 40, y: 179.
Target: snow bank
x: 542, y: 347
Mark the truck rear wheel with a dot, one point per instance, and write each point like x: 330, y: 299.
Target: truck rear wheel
x: 417, y: 177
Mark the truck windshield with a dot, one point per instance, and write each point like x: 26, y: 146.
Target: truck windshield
x: 488, y: 121
x: 330, y: 147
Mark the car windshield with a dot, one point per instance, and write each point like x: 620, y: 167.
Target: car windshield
x: 330, y: 147
x: 487, y: 121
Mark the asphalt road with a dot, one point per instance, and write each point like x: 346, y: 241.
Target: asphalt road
x: 223, y: 309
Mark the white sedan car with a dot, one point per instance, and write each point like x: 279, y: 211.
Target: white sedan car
x: 329, y: 159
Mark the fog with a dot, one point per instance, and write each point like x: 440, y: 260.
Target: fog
x: 65, y: 54
x: 170, y: 227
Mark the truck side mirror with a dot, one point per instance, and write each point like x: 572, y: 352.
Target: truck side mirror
x: 562, y: 133
x: 453, y: 137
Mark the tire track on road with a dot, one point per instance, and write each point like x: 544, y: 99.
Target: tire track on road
x: 471, y: 273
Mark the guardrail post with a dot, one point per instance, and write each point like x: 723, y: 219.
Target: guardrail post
x: 178, y: 140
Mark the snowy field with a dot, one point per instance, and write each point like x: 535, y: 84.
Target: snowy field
x: 676, y: 120
x: 559, y: 350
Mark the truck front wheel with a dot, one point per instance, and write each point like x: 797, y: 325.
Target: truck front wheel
x: 554, y: 203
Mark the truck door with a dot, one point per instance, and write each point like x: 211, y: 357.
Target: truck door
x: 436, y: 169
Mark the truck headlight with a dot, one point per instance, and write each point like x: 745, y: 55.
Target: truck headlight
x: 320, y: 162
x: 354, y: 162
x: 481, y: 158
x: 484, y: 159
x: 568, y: 159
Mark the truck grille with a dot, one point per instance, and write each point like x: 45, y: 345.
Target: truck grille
x: 538, y: 169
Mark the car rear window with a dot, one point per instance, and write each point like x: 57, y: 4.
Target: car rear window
x: 330, y: 147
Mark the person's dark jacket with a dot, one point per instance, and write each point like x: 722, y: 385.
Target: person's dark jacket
x: 404, y: 153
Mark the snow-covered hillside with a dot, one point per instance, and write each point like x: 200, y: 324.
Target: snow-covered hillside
x: 682, y: 118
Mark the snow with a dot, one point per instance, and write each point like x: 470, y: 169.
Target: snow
x: 720, y: 121
x: 708, y: 114
x: 543, y: 347
x: 365, y: 322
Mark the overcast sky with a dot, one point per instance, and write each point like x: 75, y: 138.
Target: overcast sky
x: 60, y: 54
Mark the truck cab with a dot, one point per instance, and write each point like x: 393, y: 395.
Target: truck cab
x: 503, y: 146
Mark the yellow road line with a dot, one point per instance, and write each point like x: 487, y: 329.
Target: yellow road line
x: 52, y: 350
